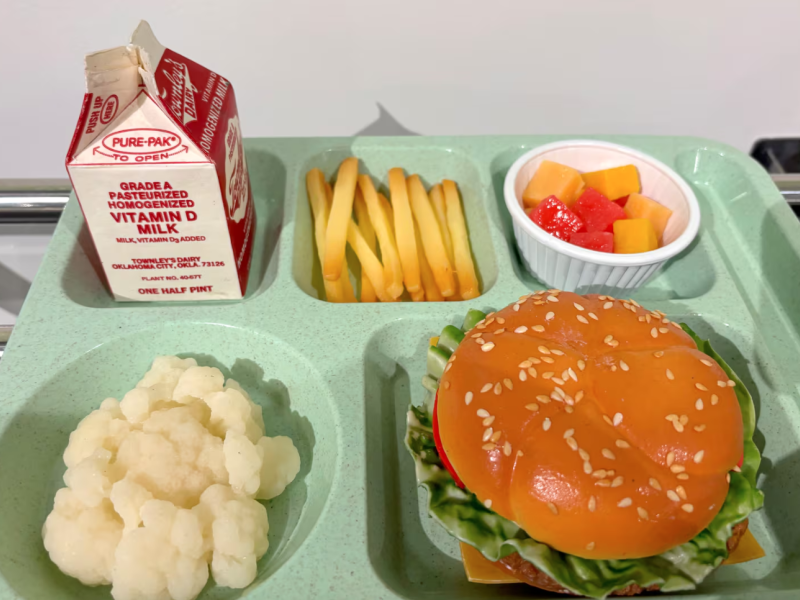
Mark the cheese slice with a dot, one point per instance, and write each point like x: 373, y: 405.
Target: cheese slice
x: 480, y: 569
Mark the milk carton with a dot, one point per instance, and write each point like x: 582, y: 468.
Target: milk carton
x: 158, y: 168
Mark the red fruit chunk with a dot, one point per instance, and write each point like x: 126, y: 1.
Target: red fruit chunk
x: 621, y: 202
x: 602, y: 241
x: 439, y: 448
x: 555, y: 218
x: 597, y: 212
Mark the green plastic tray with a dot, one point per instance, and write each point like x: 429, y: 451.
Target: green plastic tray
x: 338, y: 378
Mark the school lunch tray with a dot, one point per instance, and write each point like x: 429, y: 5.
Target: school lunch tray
x: 338, y: 378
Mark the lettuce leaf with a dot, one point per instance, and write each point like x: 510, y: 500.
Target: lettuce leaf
x: 680, y: 568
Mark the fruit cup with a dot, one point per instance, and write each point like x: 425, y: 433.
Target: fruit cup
x: 562, y: 265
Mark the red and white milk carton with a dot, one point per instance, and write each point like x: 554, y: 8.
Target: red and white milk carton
x: 160, y: 173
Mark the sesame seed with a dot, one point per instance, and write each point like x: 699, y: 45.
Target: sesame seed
x: 603, y: 483
x: 578, y: 306
x: 507, y: 449
x: 593, y: 316
x: 581, y: 365
x: 543, y: 399
x: 533, y: 407
x: 663, y: 330
x: 552, y: 298
x: 569, y: 409
x: 523, y: 376
x: 599, y: 473
x: 488, y: 504
x: 447, y: 368
x: 608, y: 305
x: 670, y: 376
x: 622, y: 444
x: 587, y: 467
x: 677, y: 468
x: 475, y: 335
x: 569, y: 433
x: 641, y: 319
x: 583, y: 319
x: 673, y: 496
x: 578, y: 396
x: 583, y: 454
x: 521, y: 329
x: 592, y: 504
x: 671, y: 417
x: 658, y: 354
x: 613, y: 368
x: 483, y: 413
x: 572, y: 443
x: 608, y: 338
x: 688, y: 508
x: 556, y: 352
x: 546, y: 424
x: 728, y: 477
x: 558, y: 380
x: 549, y: 316
x: 681, y: 492
x: 731, y: 383
x: 488, y: 421
x: 486, y: 387
x: 654, y: 332
x: 468, y: 398
x: 684, y: 419
x: 602, y: 297
x: 623, y: 365
x: 487, y: 347
x: 519, y: 453
x: 488, y: 446
x: 654, y: 484
x: 617, y: 419
x: 516, y: 307
x: 489, y: 321
x: 547, y: 374
x: 487, y: 434
x: 548, y: 360
x: 496, y: 435
x: 497, y: 389
x: 625, y: 502
x: 701, y: 387
x: 698, y: 457
x: 501, y: 320
x: 552, y: 508
x: 480, y: 340
x: 499, y: 331
x: 625, y: 305
x: 607, y: 420
x: 544, y: 349
x: 608, y: 454
x: 722, y: 384
x: 682, y: 476
x: 538, y: 328
x: 532, y: 372
x: 670, y: 458
x: 590, y: 546
x: 618, y: 481
x: 559, y: 391
x: 642, y: 513
x: 447, y: 385
x: 508, y: 384
x: 714, y: 399
x: 699, y: 428
x: 678, y: 427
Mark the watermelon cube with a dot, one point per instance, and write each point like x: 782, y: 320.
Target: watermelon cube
x: 555, y: 218
x: 596, y: 211
x: 601, y: 241
x: 622, y: 201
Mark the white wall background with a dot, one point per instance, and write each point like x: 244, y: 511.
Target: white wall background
x: 724, y: 69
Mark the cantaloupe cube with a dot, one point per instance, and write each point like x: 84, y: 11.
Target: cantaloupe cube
x: 553, y: 179
x: 614, y: 183
x: 634, y: 235
x: 642, y: 207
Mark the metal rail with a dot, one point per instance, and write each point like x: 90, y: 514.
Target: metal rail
x: 33, y: 200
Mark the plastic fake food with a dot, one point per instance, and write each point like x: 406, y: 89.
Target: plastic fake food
x: 164, y: 483
x: 586, y: 445
x: 416, y: 240
x: 573, y: 210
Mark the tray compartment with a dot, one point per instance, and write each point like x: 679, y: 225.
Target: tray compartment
x: 83, y: 279
x: 432, y: 163
x: 295, y: 400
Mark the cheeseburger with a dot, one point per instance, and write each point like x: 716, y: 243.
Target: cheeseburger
x: 586, y: 445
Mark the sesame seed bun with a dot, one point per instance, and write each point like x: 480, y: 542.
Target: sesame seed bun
x: 594, y: 424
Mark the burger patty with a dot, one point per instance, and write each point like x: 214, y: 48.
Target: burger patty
x: 523, y: 570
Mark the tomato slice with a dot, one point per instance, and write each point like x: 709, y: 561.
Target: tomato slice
x: 438, y: 441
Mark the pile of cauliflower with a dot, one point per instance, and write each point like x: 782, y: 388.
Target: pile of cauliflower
x: 164, y: 483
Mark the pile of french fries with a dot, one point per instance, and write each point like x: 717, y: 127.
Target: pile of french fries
x: 416, y: 242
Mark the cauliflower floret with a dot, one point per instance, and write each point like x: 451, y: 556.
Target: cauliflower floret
x: 128, y: 498
x: 255, y: 410
x: 81, y: 539
x: 238, y: 527
x: 280, y: 464
x: 243, y: 463
x: 89, y: 479
x: 103, y: 428
x: 166, y: 370
x: 196, y: 382
x: 233, y: 411
x: 162, y: 560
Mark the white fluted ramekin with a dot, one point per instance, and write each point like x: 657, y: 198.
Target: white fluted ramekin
x: 564, y: 266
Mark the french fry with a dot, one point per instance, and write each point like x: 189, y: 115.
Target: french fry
x: 348, y: 295
x: 384, y: 229
x: 367, y: 291
x: 437, y: 201
x: 431, y: 237
x: 369, y: 262
x: 468, y: 282
x: 340, y: 217
x: 432, y: 293
x: 317, y: 197
x: 404, y: 230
